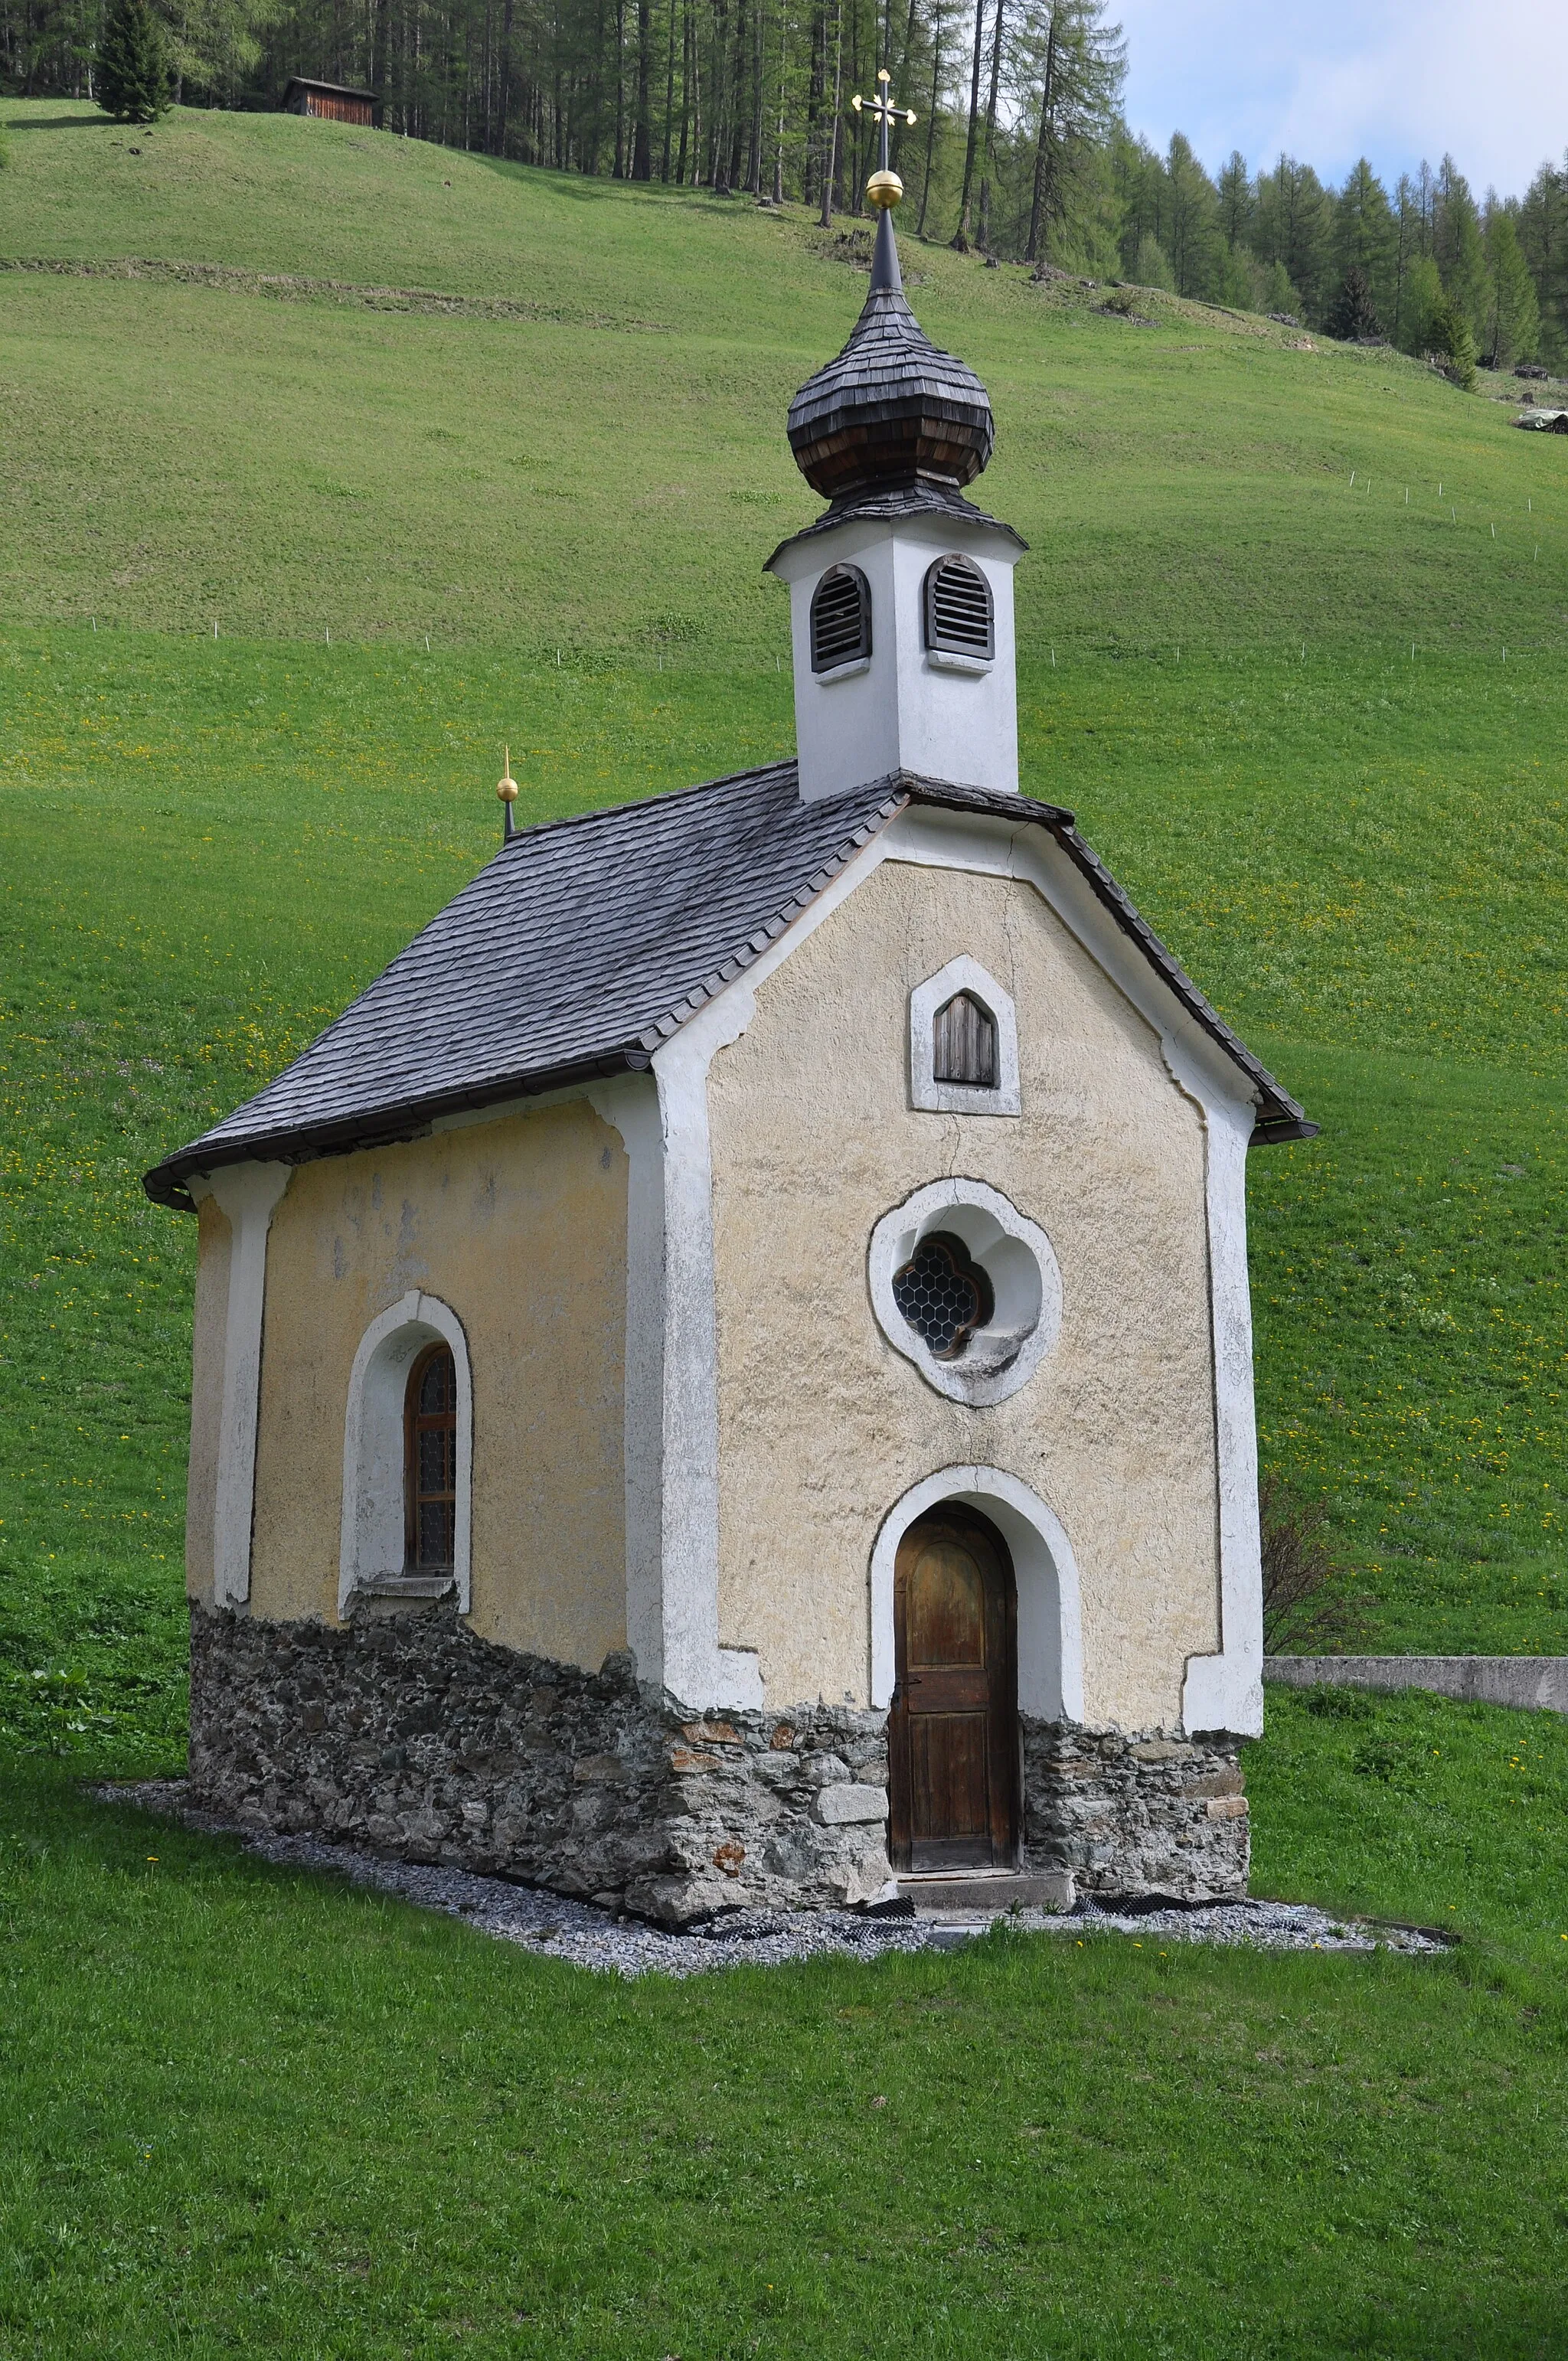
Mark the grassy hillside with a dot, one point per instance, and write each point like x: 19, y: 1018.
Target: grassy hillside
x: 289, y: 444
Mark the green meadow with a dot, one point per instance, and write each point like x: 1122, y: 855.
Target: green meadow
x: 515, y: 441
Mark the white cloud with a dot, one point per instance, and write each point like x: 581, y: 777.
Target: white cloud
x: 1396, y: 79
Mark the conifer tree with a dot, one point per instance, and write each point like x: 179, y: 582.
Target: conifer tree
x: 132, y: 64
x: 1454, y: 344
x: 1354, y: 315
x: 1513, y: 315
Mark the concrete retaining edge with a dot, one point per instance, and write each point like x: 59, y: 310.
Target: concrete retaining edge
x: 1540, y: 1683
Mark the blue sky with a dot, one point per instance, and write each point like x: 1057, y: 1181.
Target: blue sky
x: 1395, y: 79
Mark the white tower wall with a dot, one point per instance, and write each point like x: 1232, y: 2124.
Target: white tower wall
x: 906, y: 708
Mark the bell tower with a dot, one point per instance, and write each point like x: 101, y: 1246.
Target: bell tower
x: 901, y: 594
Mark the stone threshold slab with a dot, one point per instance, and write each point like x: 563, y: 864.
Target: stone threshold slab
x: 965, y: 1893
x: 1537, y: 1683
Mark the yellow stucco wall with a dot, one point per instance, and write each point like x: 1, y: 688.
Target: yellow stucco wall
x: 519, y: 1225
x: 823, y: 1426
x: 214, y: 1242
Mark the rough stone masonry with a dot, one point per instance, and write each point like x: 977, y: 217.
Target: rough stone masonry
x: 404, y: 1733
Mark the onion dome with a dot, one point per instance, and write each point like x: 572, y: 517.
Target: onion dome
x: 890, y: 410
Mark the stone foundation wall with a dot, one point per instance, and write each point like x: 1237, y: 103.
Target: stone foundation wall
x: 1137, y: 1814
x: 405, y: 1734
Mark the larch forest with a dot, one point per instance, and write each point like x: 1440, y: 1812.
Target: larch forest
x: 1020, y: 148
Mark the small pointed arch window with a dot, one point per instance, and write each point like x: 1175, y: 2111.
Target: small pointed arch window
x: 840, y: 619
x: 963, y: 1048
x: 430, y: 1462
x: 963, y: 1043
x: 959, y: 615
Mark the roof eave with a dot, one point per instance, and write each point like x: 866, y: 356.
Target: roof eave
x: 1280, y: 1117
x: 166, y: 1185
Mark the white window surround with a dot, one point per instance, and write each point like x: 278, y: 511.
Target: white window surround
x: 962, y: 974
x: 372, y: 1548
x: 1025, y: 1280
x: 851, y: 671
x: 949, y: 660
x: 1050, y: 1622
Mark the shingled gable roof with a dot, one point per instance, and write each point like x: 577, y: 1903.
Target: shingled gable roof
x: 586, y: 943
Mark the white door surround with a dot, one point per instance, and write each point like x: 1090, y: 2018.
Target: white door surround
x: 1051, y: 1621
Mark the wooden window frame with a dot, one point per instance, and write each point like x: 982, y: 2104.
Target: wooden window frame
x: 414, y: 1424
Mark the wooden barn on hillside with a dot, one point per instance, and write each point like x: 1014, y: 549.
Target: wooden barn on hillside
x: 332, y: 99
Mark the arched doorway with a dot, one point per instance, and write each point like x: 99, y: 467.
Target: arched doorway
x: 953, y: 1723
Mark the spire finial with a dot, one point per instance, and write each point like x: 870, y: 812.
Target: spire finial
x: 506, y: 788
x: 885, y: 188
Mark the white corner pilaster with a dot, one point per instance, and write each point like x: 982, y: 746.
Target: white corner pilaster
x: 630, y: 1105
x: 247, y: 1194
x: 1225, y: 1691
x: 696, y: 1669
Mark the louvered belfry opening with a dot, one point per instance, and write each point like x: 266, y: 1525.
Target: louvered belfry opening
x: 840, y: 619
x: 965, y: 1045
x: 958, y: 614
x: 429, y: 1444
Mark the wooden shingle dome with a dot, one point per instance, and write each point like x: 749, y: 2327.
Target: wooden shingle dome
x: 890, y: 410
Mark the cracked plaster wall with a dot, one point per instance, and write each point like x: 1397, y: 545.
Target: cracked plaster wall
x: 823, y: 1426
x: 519, y: 1225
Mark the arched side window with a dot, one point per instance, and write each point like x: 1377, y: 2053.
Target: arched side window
x: 964, y: 1048
x: 959, y: 619
x: 430, y: 1462
x: 840, y: 619
x: 963, y: 1043
x: 407, y: 1449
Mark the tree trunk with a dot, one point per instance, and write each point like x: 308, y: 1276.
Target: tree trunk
x: 378, y: 60
x: 620, y: 90
x: 1045, y: 159
x: 931, y: 116
x: 642, y: 146
x: 686, y: 90
x: 900, y: 128
x: 669, y: 97
x: 825, y: 216
x: 985, y: 162
x: 504, y: 76
x: 783, y: 73
x: 960, y: 236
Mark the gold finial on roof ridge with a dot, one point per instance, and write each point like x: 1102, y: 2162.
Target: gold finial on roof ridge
x: 507, y: 789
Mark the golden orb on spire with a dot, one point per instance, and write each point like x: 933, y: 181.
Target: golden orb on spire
x: 884, y: 190
x: 506, y: 786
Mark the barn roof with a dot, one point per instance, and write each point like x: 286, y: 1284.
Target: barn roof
x: 587, y: 942
x: 328, y: 89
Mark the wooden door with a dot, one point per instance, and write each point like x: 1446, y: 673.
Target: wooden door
x: 953, y: 1727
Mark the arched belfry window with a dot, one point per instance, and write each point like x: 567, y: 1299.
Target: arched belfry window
x: 840, y: 619
x: 960, y: 617
x: 430, y: 1462
x: 963, y: 1048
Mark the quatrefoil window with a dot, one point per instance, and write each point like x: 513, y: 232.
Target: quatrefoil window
x: 944, y: 1296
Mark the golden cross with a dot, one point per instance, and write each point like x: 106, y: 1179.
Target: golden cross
x: 883, y: 110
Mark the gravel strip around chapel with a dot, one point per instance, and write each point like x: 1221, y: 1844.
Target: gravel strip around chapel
x: 555, y: 1927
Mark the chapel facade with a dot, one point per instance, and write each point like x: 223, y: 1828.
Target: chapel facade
x: 725, y: 1376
